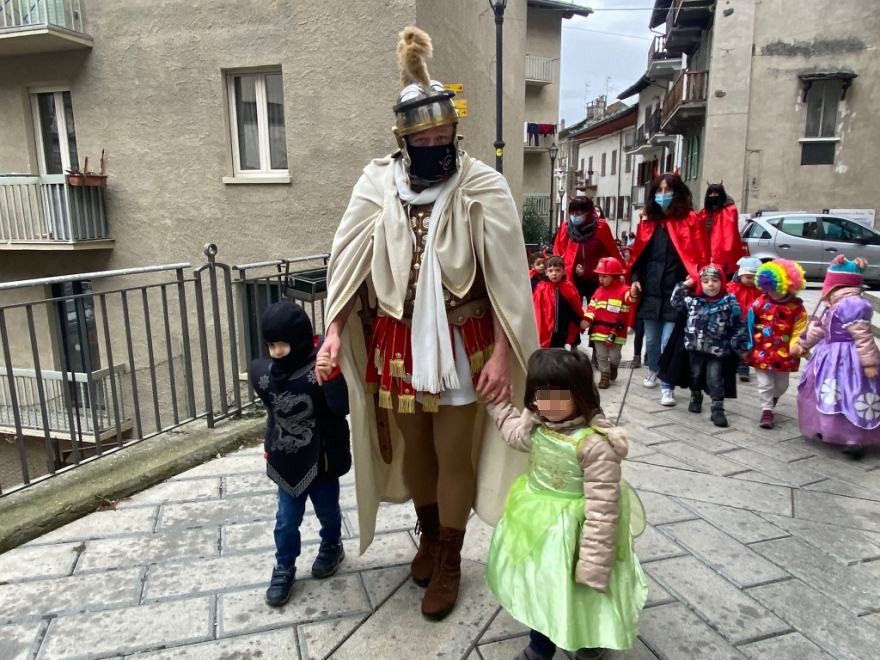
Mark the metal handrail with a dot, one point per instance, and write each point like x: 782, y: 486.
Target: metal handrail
x: 97, y: 275
x: 281, y: 262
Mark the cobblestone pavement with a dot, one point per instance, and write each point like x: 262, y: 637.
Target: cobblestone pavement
x: 759, y: 545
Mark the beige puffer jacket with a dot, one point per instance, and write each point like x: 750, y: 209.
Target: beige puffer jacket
x: 600, y: 455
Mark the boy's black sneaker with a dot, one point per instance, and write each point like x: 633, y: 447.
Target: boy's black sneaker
x: 696, y: 403
x: 855, y: 452
x: 330, y: 555
x: 718, y: 416
x: 280, y: 585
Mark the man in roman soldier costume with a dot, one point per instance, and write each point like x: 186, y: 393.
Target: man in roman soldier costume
x: 430, y: 258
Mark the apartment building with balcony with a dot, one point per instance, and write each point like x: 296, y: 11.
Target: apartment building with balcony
x: 243, y: 125
x: 775, y: 99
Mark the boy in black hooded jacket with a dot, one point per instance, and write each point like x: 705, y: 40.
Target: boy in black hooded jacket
x: 306, y: 442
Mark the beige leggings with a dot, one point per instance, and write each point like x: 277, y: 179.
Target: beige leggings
x: 438, y: 459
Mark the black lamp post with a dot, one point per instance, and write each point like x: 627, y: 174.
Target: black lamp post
x: 553, y: 150
x: 498, y: 7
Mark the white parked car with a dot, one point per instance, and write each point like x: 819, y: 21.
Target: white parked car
x: 813, y: 240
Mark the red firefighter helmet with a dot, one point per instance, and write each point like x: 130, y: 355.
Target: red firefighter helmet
x: 609, y: 266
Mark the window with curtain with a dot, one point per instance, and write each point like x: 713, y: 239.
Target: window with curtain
x: 820, y: 129
x: 258, y: 135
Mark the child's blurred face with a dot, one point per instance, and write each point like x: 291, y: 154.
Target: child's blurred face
x: 539, y: 266
x: 776, y: 296
x: 555, y: 405
x: 555, y: 273
x: 605, y: 280
x: 278, y: 349
x: 747, y: 279
x: 711, y: 285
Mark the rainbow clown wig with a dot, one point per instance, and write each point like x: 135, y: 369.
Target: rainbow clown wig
x: 780, y: 276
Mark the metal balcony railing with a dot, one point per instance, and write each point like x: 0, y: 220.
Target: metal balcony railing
x: 47, y: 210
x: 657, y: 51
x: 539, y: 69
x: 689, y: 88
x: 539, y: 203
x: 27, y: 14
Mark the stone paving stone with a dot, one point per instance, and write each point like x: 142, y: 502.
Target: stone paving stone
x: 16, y: 641
x: 700, y: 460
x: 41, y: 561
x: 793, y: 646
x: 390, y: 518
x: 103, y: 524
x: 837, y: 510
x: 660, y: 509
x: 248, y: 484
x: 673, y: 631
x: 709, y: 442
x: 389, y: 631
x: 506, y: 649
x: 232, y: 509
x: 207, y: 575
x: 724, y: 553
x: 729, y: 610
x: 272, y: 645
x: 175, y: 491
x: 787, y: 450
x: 849, y: 472
x: 761, y: 477
x: 128, y: 630
x: 318, y: 639
x: 873, y: 619
x: 652, y: 545
x: 661, y: 460
x: 786, y: 427
x: 794, y: 474
x: 657, y: 595
x: 148, y: 549
x: 392, y: 549
x: 503, y: 626
x: 854, y: 589
x: 311, y: 600
x: 838, y: 487
x: 834, y: 628
x: 476, y: 540
x: 236, y: 463
x: 744, y: 526
x: 382, y: 582
x: 847, y: 545
x: 43, y: 597
x: 247, y: 537
x: 709, y: 488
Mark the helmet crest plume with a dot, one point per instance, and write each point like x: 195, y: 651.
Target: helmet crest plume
x: 413, y: 48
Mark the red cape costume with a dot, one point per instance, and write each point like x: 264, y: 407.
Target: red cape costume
x: 725, y: 244
x: 745, y: 295
x: 545, y: 301
x: 566, y: 248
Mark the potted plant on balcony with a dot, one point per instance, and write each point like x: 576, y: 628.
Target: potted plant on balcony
x: 97, y: 179
x: 74, y: 177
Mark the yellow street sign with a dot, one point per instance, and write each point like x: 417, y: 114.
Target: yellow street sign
x: 458, y: 88
x: 461, y: 107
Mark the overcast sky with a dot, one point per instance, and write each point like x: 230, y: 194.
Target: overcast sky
x: 596, y: 58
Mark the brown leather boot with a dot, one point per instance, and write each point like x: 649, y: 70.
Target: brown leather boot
x: 442, y: 591
x: 427, y: 527
x: 604, y: 381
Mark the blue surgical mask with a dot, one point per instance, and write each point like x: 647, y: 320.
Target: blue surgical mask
x: 663, y: 200
x: 576, y: 219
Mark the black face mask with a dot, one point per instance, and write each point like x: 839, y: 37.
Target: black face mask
x: 430, y: 165
x: 714, y: 203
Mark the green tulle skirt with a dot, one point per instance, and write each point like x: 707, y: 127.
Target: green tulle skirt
x: 531, y: 571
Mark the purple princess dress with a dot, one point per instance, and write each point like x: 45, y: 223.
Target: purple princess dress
x: 836, y: 401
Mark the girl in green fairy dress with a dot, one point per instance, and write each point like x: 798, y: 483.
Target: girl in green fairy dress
x: 562, y: 559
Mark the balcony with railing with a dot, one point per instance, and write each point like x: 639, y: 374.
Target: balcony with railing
x: 48, y: 213
x: 537, y: 202
x: 662, y: 65
x: 685, y: 101
x: 538, y: 137
x: 539, y: 70
x: 685, y: 21
x: 41, y: 26
x: 647, y: 134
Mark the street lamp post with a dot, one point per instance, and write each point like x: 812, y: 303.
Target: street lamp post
x: 553, y: 150
x: 498, y: 7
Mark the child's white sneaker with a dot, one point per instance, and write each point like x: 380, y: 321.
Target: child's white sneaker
x: 651, y: 380
x: 667, y: 397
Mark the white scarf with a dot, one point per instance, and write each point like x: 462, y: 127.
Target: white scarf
x: 433, y: 361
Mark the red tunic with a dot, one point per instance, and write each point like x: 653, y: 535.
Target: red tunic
x: 544, y: 299
x: 725, y: 244
x: 608, y: 312
x: 588, y: 253
x: 745, y: 295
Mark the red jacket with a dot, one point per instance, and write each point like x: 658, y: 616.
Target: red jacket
x: 725, y: 244
x: 688, y: 236
x: 745, y: 295
x: 545, y: 300
x: 568, y: 249
x: 608, y: 312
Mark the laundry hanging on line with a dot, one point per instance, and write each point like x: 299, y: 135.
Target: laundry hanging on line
x: 534, y: 131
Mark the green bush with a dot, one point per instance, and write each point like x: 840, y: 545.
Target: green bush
x: 533, y: 226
